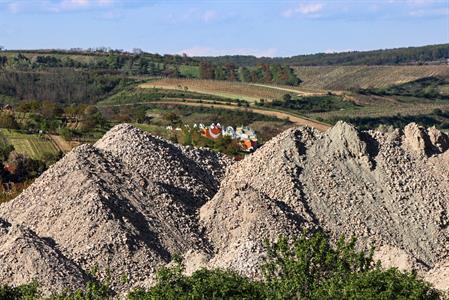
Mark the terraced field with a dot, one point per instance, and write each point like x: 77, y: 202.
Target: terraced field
x: 31, y: 145
x: 234, y: 90
x: 346, y: 77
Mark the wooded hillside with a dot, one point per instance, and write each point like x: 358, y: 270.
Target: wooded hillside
x: 409, y: 55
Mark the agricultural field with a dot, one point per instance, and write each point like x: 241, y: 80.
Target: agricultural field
x: 348, y: 77
x: 227, y: 89
x: 32, y: 145
x: 189, y: 71
x: 139, y: 95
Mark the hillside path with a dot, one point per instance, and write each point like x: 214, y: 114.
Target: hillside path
x: 290, y: 90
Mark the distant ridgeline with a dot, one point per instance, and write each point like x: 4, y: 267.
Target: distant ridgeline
x: 87, y: 76
x: 140, y: 63
x: 432, y: 54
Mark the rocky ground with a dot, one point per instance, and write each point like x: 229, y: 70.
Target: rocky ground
x: 130, y: 202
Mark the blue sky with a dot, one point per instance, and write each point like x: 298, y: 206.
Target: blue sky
x: 261, y: 28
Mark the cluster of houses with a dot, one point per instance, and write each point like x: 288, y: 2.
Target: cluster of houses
x: 246, y: 135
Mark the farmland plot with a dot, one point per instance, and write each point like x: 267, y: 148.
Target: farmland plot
x: 229, y: 89
x: 346, y: 77
x: 32, y: 145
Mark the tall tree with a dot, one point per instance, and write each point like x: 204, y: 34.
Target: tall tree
x: 207, y: 70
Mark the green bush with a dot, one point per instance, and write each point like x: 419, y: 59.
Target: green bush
x: 203, y: 284
x: 307, y: 267
x: 25, y: 292
x: 304, y: 268
x: 92, y: 291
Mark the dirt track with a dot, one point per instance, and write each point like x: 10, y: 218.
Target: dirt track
x: 278, y: 114
x: 290, y: 90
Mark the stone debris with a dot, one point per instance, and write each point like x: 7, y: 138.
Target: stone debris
x: 133, y: 200
x: 125, y: 205
x: 25, y: 257
x: 390, y: 190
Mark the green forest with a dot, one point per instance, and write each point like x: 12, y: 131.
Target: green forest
x: 409, y: 55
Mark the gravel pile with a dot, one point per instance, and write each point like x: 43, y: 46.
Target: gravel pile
x: 390, y: 189
x: 25, y: 257
x: 124, y: 213
x: 131, y: 201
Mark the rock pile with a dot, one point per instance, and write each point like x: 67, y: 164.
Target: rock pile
x: 390, y: 189
x: 133, y: 200
x: 103, y: 206
x: 25, y: 257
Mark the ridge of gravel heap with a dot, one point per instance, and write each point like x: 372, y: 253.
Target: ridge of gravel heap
x: 124, y: 205
x: 195, y: 172
x: 389, y: 189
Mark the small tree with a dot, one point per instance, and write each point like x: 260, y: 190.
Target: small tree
x: 287, y: 97
x: 172, y: 117
x: 8, y: 121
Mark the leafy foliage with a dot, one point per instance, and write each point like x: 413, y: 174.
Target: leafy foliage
x: 263, y: 73
x: 307, y: 267
x: 428, y: 87
x: 203, y: 284
x: 92, y: 291
x: 308, y: 104
x: 25, y: 292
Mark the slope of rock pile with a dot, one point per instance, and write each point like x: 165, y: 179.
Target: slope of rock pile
x: 191, y: 174
x: 390, y: 189
x: 103, y: 206
x: 25, y: 257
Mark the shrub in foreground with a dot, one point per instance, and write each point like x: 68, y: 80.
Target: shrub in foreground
x: 308, y: 267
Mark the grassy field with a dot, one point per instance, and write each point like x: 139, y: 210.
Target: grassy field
x: 31, y: 145
x: 228, y: 89
x: 189, y: 71
x: 154, y: 94
x: 346, y: 77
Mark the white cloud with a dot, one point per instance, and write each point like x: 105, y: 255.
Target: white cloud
x: 104, y: 2
x: 194, y: 15
x: 429, y: 12
x: 306, y: 9
x: 207, y: 51
x: 209, y: 16
x: 312, y: 8
x: 57, y: 6
x: 330, y: 51
x: 67, y: 5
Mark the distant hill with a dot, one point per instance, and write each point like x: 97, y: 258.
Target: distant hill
x: 363, y: 76
x: 431, y: 54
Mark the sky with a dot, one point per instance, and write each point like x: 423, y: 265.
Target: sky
x: 221, y: 27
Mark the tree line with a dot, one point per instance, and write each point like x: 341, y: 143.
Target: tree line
x: 410, y: 55
x: 264, y: 73
x: 128, y: 64
x: 60, y: 85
